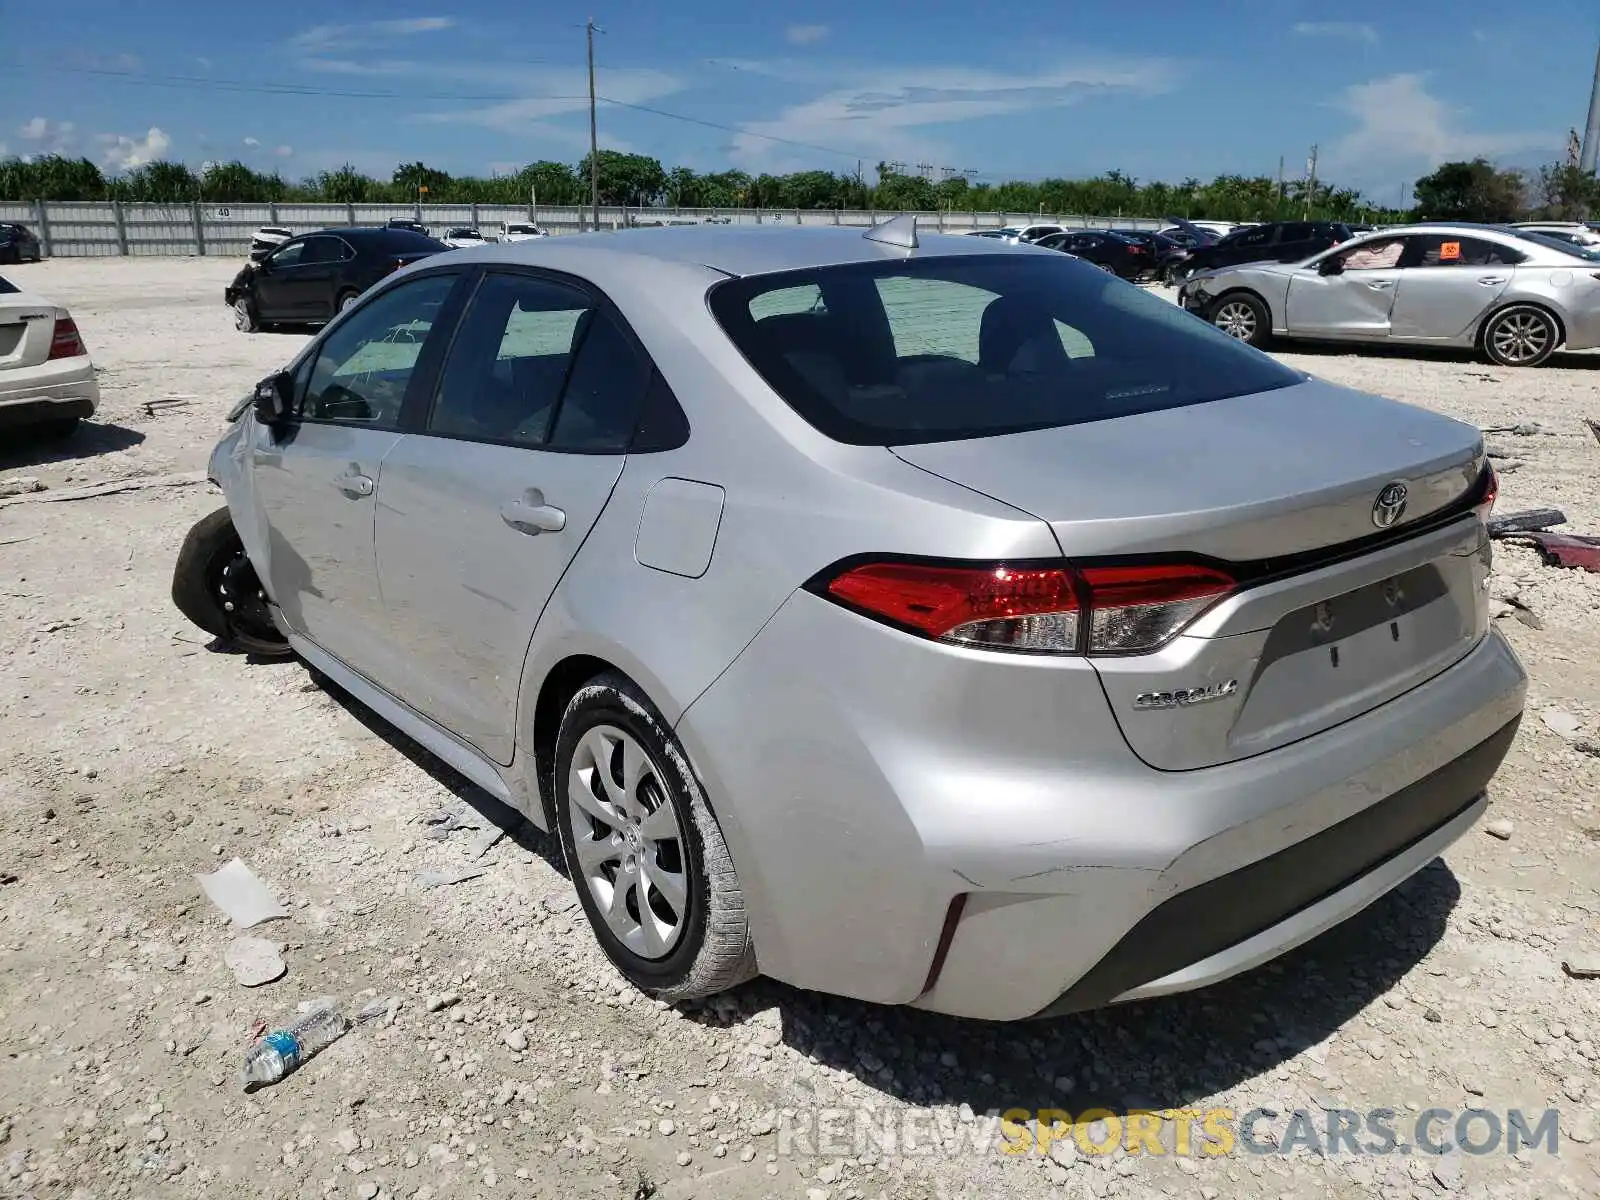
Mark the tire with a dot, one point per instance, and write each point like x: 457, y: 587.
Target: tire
x: 245, y: 317
x: 705, y: 947
x: 1242, y: 315
x: 344, y: 300
x: 1520, y: 336
x: 215, y: 586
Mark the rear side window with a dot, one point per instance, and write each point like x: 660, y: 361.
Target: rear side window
x: 1448, y: 250
x: 509, y: 361
x: 407, y: 241
x: 600, y: 406
x: 941, y: 349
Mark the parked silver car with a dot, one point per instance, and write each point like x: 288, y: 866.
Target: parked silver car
x: 934, y: 622
x: 1513, y: 295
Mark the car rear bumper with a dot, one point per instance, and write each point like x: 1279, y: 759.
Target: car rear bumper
x: 968, y: 832
x: 52, y: 390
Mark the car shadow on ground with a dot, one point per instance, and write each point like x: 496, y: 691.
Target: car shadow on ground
x: 25, y: 447
x: 1156, y: 1054
x: 517, y: 828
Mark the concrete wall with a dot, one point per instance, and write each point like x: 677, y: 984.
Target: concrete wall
x: 81, y: 229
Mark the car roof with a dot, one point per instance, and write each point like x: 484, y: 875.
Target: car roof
x: 732, y: 250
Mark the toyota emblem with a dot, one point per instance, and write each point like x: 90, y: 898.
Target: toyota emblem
x: 1390, y: 505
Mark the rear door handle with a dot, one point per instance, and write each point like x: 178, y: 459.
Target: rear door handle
x: 1491, y: 280
x: 353, y: 483
x: 1379, y: 285
x: 531, y: 515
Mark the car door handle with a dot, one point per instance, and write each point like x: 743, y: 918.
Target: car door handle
x: 1379, y: 285
x: 1491, y: 280
x: 354, y: 484
x: 531, y: 515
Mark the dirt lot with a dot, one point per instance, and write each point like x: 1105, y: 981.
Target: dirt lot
x: 132, y: 758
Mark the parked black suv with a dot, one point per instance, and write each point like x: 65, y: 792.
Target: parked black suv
x: 1276, y: 241
x: 311, y: 278
x: 1109, y: 251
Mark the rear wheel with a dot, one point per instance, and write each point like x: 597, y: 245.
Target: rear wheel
x: 644, y: 849
x: 1243, y: 316
x: 214, y: 584
x: 1520, y: 336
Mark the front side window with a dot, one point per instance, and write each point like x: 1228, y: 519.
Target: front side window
x: 363, y: 369
x: 940, y: 349
x: 288, y: 256
x: 1379, y: 254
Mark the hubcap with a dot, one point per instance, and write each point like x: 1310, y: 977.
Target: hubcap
x: 1236, y: 319
x: 243, y: 598
x: 626, y: 839
x: 241, y: 314
x: 1521, y: 337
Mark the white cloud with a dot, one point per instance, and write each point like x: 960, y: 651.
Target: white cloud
x: 284, y: 151
x: 805, y: 35
x: 252, y: 142
x: 123, y: 153
x: 552, y: 93
x: 1402, y: 128
x: 1356, y: 31
x: 364, y: 33
x: 884, y: 111
x: 203, y: 63
x: 47, y: 136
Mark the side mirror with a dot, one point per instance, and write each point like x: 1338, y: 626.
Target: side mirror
x: 274, y: 399
x: 1332, y: 265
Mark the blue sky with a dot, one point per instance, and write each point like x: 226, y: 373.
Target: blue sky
x: 1159, y: 89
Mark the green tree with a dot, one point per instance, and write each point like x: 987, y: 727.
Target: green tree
x: 1469, y: 191
x: 1566, y: 193
x: 408, y: 178
x: 633, y: 179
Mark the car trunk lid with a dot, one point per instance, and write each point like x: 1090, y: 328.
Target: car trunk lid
x: 27, y: 324
x: 1336, y: 612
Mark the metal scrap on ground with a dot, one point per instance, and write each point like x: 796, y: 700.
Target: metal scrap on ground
x: 241, y: 895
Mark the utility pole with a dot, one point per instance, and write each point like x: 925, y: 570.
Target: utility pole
x: 1311, y: 181
x: 1280, y: 185
x: 1591, y: 133
x: 594, y: 138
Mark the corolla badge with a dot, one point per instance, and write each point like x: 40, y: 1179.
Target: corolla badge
x: 1184, y: 697
x: 1390, y: 505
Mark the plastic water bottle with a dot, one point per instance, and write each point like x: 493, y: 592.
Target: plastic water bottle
x: 282, y: 1050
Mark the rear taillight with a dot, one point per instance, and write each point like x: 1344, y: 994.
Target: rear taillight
x: 66, y: 342
x: 1490, y: 492
x: 1033, y: 609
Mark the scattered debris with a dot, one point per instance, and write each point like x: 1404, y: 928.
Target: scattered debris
x: 427, y: 880
x: 1562, y: 549
x: 381, y: 1009
x: 1528, y: 429
x: 488, y: 840
x: 20, y: 485
x: 237, y: 891
x: 1561, y: 722
x: 254, y: 961
x: 446, y: 821
x: 1581, y: 963
x: 320, y: 1024
x: 1499, y: 829
x: 161, y: 404
x: 442, y: 1001
x: 1525, y: 522
x: 184, y: 479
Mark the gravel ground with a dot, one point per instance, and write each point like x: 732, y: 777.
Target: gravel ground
x: 510, y: 1059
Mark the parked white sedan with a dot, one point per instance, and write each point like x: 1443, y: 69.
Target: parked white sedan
x: 46, y: 377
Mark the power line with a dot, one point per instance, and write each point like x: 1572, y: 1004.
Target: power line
x: 152, y: 79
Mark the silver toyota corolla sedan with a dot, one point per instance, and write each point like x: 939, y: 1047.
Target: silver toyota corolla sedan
x: 942, y: 623
x: 1512, y: 295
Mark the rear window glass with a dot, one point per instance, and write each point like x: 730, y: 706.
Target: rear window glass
x: 407, y: 241
x: 941, y: 349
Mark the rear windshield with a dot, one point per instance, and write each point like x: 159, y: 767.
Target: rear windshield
x: 941, y: 349
x: 408, y: 241
x: 1552, y: 242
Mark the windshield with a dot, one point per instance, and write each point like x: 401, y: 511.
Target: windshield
x: 1587, y: 253
x: 941, y: 349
